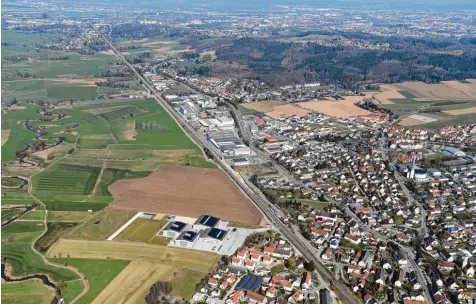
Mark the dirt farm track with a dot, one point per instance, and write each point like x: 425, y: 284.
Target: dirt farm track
x: 185, y: 191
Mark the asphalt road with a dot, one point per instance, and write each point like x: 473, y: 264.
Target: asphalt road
x: 260, y: 201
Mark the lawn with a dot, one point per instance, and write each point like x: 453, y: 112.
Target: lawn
x: 101, y: 225
x: 58, y: 178
x: 142, y: 230
x: 27, y: 292
x: 190, y: 259
x: 98, y: 272
x: 159, y: 240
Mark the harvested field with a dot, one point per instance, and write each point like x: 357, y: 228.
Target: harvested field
x: 176, y: 257
x: 338, y: 108
x: 263, y: 106
x: 287, y: 111
x: 5, y: 134
x: 463, y: 87
x: 185, y: 191
x: 389, y: 93
x: 439, y: 90
x: 408, y: 122
x: 134, y: 282
x: 462, y: 111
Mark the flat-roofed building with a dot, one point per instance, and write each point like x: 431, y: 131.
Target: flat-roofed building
x: 214, y: 235
x: 173, y: 229
x: 186, y: 239
x: 206, y: 221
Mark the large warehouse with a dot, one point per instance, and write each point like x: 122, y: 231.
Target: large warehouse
x: 207, y: 233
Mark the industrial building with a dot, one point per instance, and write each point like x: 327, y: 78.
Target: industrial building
x: 173, y: 229
x: 207, y: 233
x: 453, y: 152
x: 241, y: 161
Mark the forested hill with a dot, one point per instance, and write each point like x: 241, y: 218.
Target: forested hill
x: 280, y: 63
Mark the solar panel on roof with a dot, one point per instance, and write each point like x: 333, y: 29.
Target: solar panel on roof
x: 209, y: 221
x: 177, y: 226
x: 216, y: 233
x: 189, y: 235
x: 250, y: 282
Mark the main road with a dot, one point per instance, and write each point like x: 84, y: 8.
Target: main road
x: 294, y: 237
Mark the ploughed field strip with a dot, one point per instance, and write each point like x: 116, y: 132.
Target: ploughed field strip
x: 185, y: 191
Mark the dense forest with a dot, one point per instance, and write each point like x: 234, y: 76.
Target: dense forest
x: 280, y: 63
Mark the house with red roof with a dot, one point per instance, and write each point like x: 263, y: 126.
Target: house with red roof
x: 212, y: 282
x: 236, y: 262
x: 306, y: 281
x: 254, y: 297
x: 236, y: 297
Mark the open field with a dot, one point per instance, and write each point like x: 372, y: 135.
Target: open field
x: 263, y: 106
x: 5, y: 134
x: 16, y: 249
x: 68, y: 216
x: 98, y: 272
x: 388, y: 93
x: 66, y: 91
x: 191, y: 259
x: 141, y: 230
x: 338, y: 108
x: 55, y: 231
x: 453, y: 90
x: 471, y: 110
x: 59, y: 179
x: 286, y: 111
x: 451, y: 98
x: 166, y: 190
x: 27, y: 292
x: 101, y: 225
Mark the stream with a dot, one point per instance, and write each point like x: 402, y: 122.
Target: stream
x: 27, y: 208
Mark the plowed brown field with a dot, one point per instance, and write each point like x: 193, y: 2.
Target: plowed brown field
x: 185, y: 191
